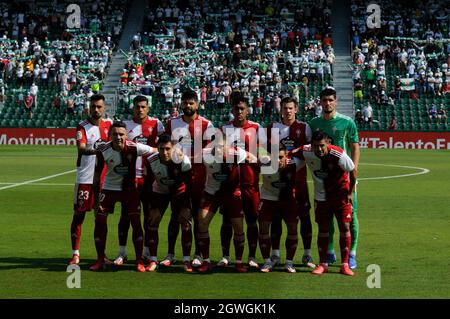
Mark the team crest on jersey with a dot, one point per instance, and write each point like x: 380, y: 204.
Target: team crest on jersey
x: 150, y: 130
x: 167, y: 181
x: 299, y: 132
x: 79, y: 135
x: 105, y: 131
x: 141, y: 139
x: 121, y: 170
x: 278, y: 184
x: 220, y: 177
x: 321, y: 174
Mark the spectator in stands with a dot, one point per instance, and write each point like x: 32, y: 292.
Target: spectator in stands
x: 442, y: 116
x: 359, y: 90
x: 393, y: 125
x: 368, y: 113
x: 34, y: 92
x: 359, y: 118
x: 432, y: 112
x: 29, y: 104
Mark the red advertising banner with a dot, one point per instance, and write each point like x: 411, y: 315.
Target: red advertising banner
x: 405, y: 140
x: 37, y: 136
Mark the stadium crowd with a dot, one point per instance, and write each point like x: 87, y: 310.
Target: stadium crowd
x: 264, y: 52
x: 38, y: 50
x: 408, y: 57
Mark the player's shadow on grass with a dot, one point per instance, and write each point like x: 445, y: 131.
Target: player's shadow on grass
x: 45, y: 264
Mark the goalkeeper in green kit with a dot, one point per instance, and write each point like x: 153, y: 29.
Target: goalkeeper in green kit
x: 343, y: 132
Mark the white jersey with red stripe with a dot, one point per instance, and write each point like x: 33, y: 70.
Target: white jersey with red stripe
x: 249, y: 137
x: 91, y: 135
x: 329, y: 173
x: 120, y: 166
x: 192, y: 137
x: 147, y: 133
x: 168, y: 178
x: 280, y: 185
x: 220, y: 175
x: 292, y: 136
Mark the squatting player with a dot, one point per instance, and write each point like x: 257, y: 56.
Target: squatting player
x: 171, y: 176
x: 293, y: 133
x: 222, y: 189
x: 246, y: 134
x: 330, y: 169
x: 278, y: 199
x: 91, y: 133
x: 143, y: 129
x: 343, y: 133
x: 119, y: 156
x: 191, y: 132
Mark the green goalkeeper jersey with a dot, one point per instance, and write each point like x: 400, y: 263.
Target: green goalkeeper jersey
x: 342, y: 129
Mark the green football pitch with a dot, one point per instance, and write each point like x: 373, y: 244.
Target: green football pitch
x: 404, y: 214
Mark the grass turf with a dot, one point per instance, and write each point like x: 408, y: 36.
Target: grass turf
x: 404, y: 225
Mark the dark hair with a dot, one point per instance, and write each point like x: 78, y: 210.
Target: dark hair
x: 282, y: 147
x: 189, y: 95
x: 287, y: 100
x: 139, y: 98
x: 319, y: 135
x: 118, y: 124
x: 164, y: 139
x: 238, y: 98
x: 327, y: 91
x: 97, y: 97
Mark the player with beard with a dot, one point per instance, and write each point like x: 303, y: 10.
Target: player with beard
x: 222, y: 190
x: 143, y: 129
x: 119, y: 157
x: 334, y: 176
x: 192, y: 133
x: 91, y: 133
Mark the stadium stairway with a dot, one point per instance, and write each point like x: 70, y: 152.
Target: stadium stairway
x: 132, y: 26
x: 342, y: 72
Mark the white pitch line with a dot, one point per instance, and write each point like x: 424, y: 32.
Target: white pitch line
x: 421, y: 169
x: 36, y: 180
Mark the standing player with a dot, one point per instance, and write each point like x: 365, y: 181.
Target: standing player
x: 119, y: 156
x: 91, y: 133
x: 142, y: 129
x: 171, y: 184
x: 222, y: 189
x: 330, y: 168
x: 343, y: 133
x: 245, y: 132
x: 293, y: 134
x: 278, y: 198
x: 191, y: 131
